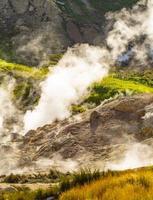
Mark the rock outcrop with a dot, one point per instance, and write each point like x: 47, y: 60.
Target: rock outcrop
x: 98, y: 137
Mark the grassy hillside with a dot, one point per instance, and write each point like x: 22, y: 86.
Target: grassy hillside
x: 134, y: 184
x: 26, y: 91
x: 112, y: 86
x: 128, y: 185
x: 22, y: 70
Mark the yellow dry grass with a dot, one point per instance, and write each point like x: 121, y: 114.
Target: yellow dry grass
x: 129, y: 185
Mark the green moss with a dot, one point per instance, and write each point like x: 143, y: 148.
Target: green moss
x: 77, y: 109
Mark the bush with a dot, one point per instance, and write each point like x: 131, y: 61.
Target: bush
x: 12, y: 178
x: 80, y: 178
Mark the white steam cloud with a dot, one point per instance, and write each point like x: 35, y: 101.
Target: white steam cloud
x: 131, y: 36
x: 132, y: 33
x: 67, y: 84
x: 10, y: 116
x: 137, y: 155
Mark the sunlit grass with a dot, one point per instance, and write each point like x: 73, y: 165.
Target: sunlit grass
x: 22, y: 70
x: 129, y: 185
x: 111, y: 86
x: 125, y: 85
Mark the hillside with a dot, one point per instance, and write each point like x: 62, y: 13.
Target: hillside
x: 103, y: 137
x: 83, y: 185
x: 33, y: 30
x: 76, y: 100
x: 122, y: 102
x: 131, y: 185
x: 116, y: 84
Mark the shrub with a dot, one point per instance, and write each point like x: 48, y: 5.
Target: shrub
x: 12, y: 178
x: 82, y: 177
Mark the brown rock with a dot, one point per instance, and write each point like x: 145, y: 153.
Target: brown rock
x: 74, y: 32
x: 101, y: 134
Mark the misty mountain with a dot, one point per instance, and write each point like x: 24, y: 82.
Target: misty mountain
x: 32, y: 30
x: 76, y: 97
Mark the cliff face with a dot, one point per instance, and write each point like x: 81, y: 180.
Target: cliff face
x: 33, y: 29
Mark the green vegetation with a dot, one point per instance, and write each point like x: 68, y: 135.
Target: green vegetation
x: 111, y: 86
x: 126, y: 185
x: 22, y: 70
x: 79, y: 11
x: 54, y: 58
x: 115, y: 85
x: 62, y: 181
x: 27, y: 92
x: 53, y: 176
x: 78, y: 109
x: 110, y: 5
x: 134, y: 184
x: 26, y: 194
x: 143, y: 77
x: 82, y: 177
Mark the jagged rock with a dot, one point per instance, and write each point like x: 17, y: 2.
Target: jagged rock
x: 101, y: 135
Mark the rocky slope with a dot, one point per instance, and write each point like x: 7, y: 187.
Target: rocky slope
x: 33, y: 29
x: 97, y: 138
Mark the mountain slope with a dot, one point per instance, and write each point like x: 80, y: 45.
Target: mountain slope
x: 34, y: 29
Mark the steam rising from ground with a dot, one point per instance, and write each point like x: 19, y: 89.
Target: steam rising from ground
x: 132, y: 34
x: 10, y: 124
x: 137, y: 155
x: 131, y: 37
x: 130, y: 40
x: 67, y: 84
x: 10, y: 116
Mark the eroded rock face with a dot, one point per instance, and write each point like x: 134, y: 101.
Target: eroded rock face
x: 99, y: 137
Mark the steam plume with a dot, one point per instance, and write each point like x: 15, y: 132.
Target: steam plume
x: 131, y: 37
x: 67, y: 84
